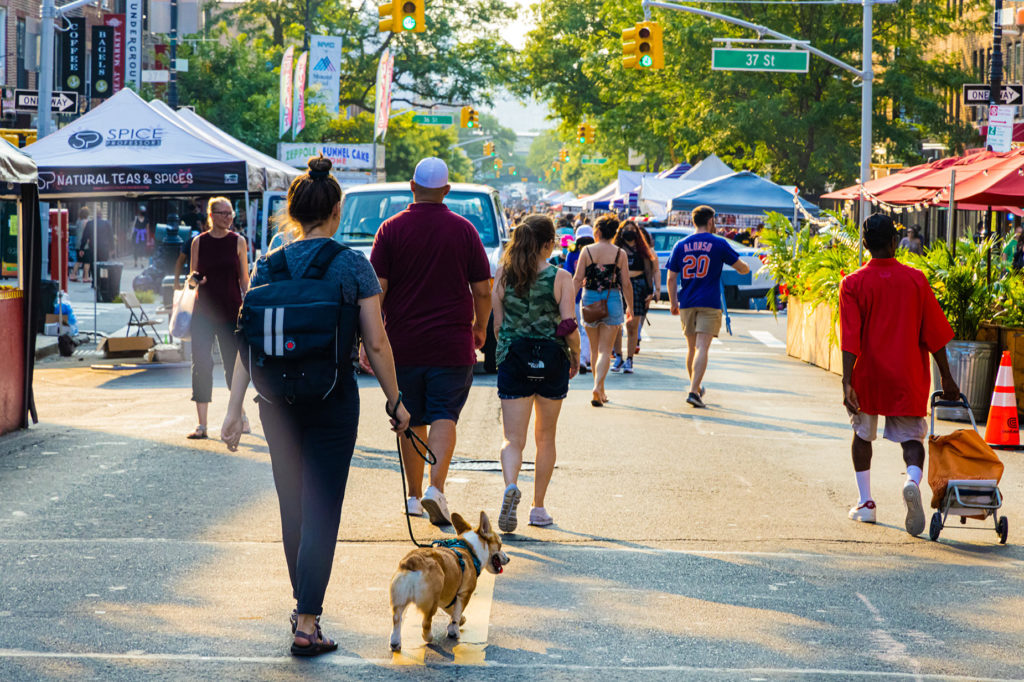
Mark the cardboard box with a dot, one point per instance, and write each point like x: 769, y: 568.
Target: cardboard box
x: 164, y: 352
x: 52, y: 318
x: 126, y: 346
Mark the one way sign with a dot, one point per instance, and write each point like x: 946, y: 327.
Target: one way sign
x: 1012, y: 93
x: 61, y: 102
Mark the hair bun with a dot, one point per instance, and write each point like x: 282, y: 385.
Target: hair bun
x: 319, y: 166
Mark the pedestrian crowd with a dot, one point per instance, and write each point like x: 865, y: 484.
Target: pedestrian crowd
x: 415, y: 313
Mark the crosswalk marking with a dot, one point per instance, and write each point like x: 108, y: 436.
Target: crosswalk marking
x: 768, y: 339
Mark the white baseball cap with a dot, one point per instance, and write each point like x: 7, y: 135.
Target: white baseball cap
x: 431, y: 173
x: 584, y: 231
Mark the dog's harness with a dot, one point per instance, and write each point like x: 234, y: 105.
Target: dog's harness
x: 451, y: 544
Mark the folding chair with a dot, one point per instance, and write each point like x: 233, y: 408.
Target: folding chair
x: 138, y: 317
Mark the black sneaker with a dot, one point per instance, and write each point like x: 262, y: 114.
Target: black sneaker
x: 695, y: 400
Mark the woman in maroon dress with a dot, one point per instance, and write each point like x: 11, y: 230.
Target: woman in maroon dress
x: 220, y: 268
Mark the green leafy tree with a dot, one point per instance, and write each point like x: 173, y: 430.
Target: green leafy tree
x: 799, y: 128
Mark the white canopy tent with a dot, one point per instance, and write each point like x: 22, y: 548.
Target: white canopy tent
x: 124, y: 147
x: 656, y: 194
x: 709, y: 168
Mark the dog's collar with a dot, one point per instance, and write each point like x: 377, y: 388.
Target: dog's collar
x: 452, y: 543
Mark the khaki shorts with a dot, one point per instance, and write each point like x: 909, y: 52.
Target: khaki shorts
x: 897, y: 429
x: 701, y: 320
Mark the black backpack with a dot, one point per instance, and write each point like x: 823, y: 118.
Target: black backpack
x: 296, y: 334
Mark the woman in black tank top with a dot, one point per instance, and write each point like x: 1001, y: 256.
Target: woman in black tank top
x: 645, y: 276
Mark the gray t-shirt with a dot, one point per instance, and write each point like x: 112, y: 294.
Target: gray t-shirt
x: 351, y: 270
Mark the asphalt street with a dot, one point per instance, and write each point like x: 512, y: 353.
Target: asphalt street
x: 688, y: 544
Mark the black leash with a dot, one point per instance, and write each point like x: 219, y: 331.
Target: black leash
x: 426, y: 455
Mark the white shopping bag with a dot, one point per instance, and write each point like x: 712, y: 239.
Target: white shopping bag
x: 181, y: 315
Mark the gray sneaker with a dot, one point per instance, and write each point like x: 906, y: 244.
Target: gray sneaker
x: 695, y: 400
x: 507, y: 520
x: 915, y: 512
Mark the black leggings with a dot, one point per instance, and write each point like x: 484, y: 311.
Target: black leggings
x: 310, y: 451
x: 204, y: 329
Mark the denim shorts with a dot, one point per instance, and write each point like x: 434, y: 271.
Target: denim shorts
x: 616, y: 311
x: 432, y: 393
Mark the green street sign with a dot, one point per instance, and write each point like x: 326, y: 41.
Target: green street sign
x: 785, y: 61
x: 592, y: 159
x: 434, y: 119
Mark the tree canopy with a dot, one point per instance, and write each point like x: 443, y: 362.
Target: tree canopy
x: 798, y: 128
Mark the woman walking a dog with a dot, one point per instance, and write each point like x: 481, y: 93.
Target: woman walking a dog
x: 538, y: 352
x: 311, y: 443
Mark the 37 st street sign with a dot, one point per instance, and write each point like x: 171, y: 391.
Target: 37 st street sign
x: 741, y: 59
x: 977, y: 93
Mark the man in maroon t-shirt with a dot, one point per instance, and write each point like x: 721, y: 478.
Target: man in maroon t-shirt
x: 437, y: 299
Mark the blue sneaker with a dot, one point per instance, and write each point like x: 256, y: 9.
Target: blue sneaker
x: 617, y: 365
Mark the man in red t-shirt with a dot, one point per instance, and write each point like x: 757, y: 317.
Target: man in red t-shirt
x: 889, y: 323
x: 437, y: 299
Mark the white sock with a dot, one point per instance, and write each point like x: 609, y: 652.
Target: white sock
x: 914, y: 474
x: 864, y: 485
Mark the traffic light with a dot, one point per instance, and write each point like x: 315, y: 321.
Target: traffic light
x: 586, y: 133
x: 488, y: 149
x: 511, y: 170
x: 563, y: 154
x: 525, y: 179
x: 410, y: 16
x: 498, y: 163
x: 386, y: 11
x: 581, y: 133
x: 468, y: 118
x: 641, y: 46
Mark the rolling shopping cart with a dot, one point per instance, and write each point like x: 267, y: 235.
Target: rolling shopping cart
x: 964, y: 473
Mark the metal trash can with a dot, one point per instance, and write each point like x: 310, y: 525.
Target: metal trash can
x: 973, y: 365
x: 108, y: 281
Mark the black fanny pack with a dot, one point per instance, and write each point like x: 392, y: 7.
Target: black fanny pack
x: 537, y: 359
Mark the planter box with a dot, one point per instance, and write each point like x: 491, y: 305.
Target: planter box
x: 1009, y: 339
x: 808, y: 335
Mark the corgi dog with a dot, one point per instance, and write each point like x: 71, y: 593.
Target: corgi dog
x: 444, y: 576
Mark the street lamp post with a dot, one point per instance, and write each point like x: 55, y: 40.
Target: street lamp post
x: 49, y: 13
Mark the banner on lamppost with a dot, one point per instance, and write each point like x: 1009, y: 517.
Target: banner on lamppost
x: 133, y: 10
x: 116, y: 23
x: 325, y: 71
x: 101, y: 62
x: 73, y: 53
x: 285, y: 107
x: 299, y: 95
x: 382, y: 104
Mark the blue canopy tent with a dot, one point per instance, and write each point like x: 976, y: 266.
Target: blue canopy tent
x: 742, y: 193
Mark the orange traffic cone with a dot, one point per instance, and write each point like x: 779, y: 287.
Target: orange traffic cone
x: 1002, y: 429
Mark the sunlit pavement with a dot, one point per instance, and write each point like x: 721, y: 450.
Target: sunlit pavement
x: 708, y: 544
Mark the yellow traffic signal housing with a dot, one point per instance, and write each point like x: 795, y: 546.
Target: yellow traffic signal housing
x: 642, y: 46
x: 388, y: 19
x: 410, y: 16
x: 581, y: 133
x: 511, y: 170
x: 468, y: 118
x: 588, y: 133
x: 525, y: 179
x: 498, y: 163
x: 488, y: 149
x: 630, y: 57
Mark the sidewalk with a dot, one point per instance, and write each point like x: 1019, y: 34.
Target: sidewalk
x: 109, y: 319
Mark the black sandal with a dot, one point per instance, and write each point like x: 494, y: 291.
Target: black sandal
x: 318, y: 644
x: 294, y: 620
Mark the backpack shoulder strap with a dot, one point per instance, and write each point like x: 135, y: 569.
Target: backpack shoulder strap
x: 278, y: 266
x: 325, y: 255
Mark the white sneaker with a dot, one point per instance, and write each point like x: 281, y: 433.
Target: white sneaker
x: 436, y: 507
x: 413, y: 507
x: 915, y: 512
x: 865, y: 513
x: 507, y: 520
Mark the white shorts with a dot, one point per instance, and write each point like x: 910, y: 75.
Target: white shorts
x: 897, y: 429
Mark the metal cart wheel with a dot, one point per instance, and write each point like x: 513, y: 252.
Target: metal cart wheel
x: 936, y: 527
x: 1003, y: 529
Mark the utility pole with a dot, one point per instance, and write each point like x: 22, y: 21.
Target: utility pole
x: 44, y: 83
x: 996, y: 70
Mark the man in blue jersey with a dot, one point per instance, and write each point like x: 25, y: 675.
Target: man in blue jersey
x: 696, y: 264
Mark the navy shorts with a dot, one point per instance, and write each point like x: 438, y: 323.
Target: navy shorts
x: 513, y: 384
x: 432, y: 393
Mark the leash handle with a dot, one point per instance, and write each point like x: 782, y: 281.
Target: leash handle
x: 429, y: 458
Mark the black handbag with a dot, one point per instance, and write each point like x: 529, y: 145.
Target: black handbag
x: 537, y: 359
